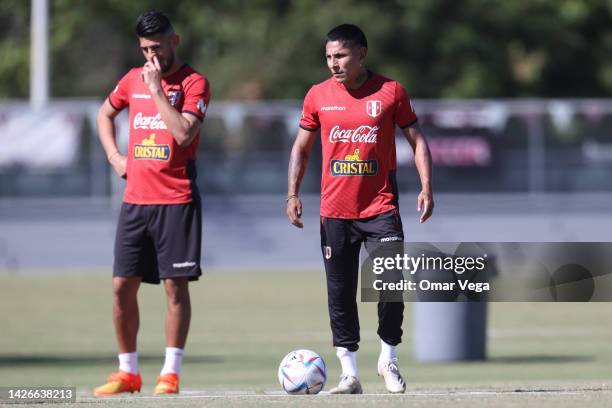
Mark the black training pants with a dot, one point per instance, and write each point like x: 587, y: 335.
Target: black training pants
x: 341, y: 241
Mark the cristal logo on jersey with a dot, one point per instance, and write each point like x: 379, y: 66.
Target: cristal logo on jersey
x: 352, y: 165
x: 362, y: 134
x: 149, y: 150
x: 373, y: 108
x: 149, y: 122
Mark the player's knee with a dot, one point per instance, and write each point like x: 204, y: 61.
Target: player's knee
x: 177, y: 292
x: 178, y: 301
x: 124, y: 288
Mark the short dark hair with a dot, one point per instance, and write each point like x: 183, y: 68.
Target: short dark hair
x: 349, y: 34
x: 153, y: 22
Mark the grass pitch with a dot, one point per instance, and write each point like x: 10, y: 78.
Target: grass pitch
x: 57, y: 330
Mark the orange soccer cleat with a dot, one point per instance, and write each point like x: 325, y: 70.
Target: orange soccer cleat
x: 167, y: 384
x: 120, y: 382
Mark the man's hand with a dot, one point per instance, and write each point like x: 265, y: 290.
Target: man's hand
x: 119, y: 163
x: 152, y: 75
x: 425, y: 205
x: 294, y: 211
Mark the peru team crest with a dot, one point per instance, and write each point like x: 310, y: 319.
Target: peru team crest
x: 174, y: 97
x: 373, y: 108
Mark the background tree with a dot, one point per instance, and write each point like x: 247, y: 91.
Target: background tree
x: 274, y: 49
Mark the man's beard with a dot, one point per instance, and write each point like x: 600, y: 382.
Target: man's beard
x: 165, y: 67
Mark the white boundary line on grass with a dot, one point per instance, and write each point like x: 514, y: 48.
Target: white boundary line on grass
x: 325, y: 394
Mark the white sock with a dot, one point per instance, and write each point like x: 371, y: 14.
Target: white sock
x: 387, y: 352
x: 348, y: 361
x: 174, y: 360
x: 129, y: 362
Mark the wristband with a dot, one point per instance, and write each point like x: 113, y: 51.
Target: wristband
x: 291, y: 196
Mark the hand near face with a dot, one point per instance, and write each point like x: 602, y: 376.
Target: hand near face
x: 152, y: 74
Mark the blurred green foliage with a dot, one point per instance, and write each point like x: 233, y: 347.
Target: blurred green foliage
x: 274, y: 49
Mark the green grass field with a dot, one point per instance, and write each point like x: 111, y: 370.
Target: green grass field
x: 57, y: 330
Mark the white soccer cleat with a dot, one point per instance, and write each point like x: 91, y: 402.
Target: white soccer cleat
x: 393, y: 379
x: 348, y: 385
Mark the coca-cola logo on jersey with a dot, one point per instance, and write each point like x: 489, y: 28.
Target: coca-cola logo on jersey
x: 148, y: 122
x: 363, y: 134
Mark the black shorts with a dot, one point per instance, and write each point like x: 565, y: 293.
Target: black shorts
x: 343, y: 237
x: 159, y: 241
x: 341, y: 240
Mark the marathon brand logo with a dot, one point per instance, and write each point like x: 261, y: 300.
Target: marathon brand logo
x: 390, y: 239
x: 333, y: 108
x: 148, y: 150
x: 148, y: 122
x: 180, y: 265
x: 352, y: 165
x: 363, y: 134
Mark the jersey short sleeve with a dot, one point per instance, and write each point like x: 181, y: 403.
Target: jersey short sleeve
x: 197, y: 97
x: 310, y: 115
x: 119, y: 98
x: 404, y: 111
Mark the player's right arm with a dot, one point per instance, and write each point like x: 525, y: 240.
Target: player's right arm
x: 107, y: 134
x: 297, y: 167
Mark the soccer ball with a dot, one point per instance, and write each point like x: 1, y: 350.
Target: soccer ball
x: 302, y: 372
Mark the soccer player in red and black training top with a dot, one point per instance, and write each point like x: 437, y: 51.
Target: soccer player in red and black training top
x: 357, y: 111
x: 159, y: 229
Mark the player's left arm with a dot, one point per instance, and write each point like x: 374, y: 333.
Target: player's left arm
x: 184, y: 127
x: 422, y: 159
